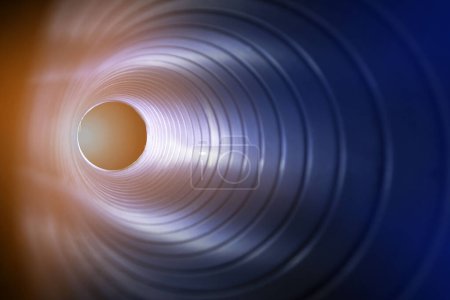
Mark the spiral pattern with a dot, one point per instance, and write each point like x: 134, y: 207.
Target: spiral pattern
x: 278, y: 159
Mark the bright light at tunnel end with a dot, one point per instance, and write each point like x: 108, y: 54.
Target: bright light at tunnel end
x: 111, y: 136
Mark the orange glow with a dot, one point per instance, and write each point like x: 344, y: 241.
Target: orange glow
x: 112, y: 135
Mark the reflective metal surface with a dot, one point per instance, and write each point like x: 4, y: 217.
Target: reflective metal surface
x: 296, y: 149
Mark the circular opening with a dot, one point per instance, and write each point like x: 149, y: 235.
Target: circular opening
x: 112, y: 135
